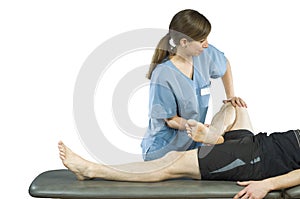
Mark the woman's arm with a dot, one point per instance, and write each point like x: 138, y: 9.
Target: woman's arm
x: 229, y: 90
x: 176, y: 122
x: 259, y: 189
x: 228, y: 81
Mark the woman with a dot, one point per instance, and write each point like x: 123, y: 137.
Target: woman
x: 180, y: 73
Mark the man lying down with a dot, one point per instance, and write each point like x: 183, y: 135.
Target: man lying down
x: 232, y: 153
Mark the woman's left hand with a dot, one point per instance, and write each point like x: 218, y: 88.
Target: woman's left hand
x: 236, y: 101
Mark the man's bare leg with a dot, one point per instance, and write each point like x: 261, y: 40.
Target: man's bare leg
x: 227, y: 119
x: 173, y: 165
x: 224, y: 119
x: 242, y: 120
x: 221, y: 122
x: 231, y: 118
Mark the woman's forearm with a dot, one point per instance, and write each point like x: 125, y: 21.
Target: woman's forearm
x: 176, y: 122
x: 228, y: 82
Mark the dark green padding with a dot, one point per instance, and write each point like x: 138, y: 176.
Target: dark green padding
x: 293, y: 192
x: 63, y: 184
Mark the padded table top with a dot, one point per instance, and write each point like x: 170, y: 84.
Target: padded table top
x: 63, y: 184
x: 293, y: 192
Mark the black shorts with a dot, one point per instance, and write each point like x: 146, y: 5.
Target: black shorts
x: 280, y: 152
x: 238, y: 158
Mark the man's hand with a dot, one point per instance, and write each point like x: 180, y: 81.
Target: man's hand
x: 253, y: 190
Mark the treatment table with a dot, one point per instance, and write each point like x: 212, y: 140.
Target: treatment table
x: 63, y: 184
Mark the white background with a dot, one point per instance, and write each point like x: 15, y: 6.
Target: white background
x: 43, y: 45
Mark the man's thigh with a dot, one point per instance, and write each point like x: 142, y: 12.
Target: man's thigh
x: 232, y: 160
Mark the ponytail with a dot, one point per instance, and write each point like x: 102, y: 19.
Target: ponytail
x: 163, y: 50
x: 189, y: 24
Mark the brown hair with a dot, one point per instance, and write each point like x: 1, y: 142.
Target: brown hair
x: 188, y: 24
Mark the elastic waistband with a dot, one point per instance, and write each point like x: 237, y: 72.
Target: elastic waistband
x: 297, y: 134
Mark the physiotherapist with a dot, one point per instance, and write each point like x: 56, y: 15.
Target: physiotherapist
x: 180, y: 72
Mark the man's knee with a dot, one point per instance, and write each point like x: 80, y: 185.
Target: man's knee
x: 229, y: 106
x: 184, y: 164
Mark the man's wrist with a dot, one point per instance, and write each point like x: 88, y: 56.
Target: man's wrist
x: 269, y: 184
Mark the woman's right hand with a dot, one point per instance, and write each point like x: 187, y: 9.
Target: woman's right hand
x: 236, y: 101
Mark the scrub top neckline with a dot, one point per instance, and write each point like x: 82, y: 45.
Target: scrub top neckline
x: 173, y: 66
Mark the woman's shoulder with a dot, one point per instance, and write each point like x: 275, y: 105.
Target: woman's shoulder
x: 164, y: 67
x: 211, y: 53
x: 162, y: 71
x: 212, y: 50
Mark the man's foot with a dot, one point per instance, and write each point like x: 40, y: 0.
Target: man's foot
x: 200, y: 133
x: 73, y: 162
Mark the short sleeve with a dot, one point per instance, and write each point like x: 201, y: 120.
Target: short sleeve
x: 217, y: 62
x: 162, y: 103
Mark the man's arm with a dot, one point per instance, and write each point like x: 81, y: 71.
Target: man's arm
x: 259, y: 189
x: 285, y: 181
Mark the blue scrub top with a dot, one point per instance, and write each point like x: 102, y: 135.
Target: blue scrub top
x: 173, y: 93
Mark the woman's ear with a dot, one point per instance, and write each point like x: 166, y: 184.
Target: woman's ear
x: 183, y: 42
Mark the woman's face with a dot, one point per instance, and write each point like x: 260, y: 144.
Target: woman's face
x: 195, y: 48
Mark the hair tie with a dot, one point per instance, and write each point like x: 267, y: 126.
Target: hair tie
x: 172, y: 44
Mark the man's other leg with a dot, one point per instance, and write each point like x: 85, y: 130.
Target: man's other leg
x: 221, y: 122
x: 242, y: 120
x: 231, y: 118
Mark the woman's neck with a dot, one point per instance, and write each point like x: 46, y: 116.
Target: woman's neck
x: 184, y: 60
x: 185, y: 65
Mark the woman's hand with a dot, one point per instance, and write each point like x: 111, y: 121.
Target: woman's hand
x: 236, y: 101
x: 176, y: 122
x: 253, y: 190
